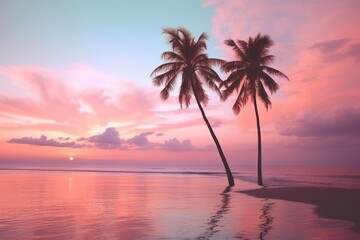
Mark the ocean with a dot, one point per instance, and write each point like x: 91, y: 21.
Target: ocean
x: 164, y: 204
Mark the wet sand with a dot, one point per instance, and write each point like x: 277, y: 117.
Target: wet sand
x: 335, y: 203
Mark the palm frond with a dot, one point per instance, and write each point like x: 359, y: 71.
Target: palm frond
x: 165, y: 77
x: 169, y: 86
x: 185, y: 35
x: 275, y: 72
x: 199, y: 91
x: 240, y: 74
x: 201, y: 59
x: 175, y: 39
x: 216, y: 62
x: 264, y: 97
x: 211, y: 74
x: 266, y: 60
x: 262, y: 43
x: 164, y: 67
x: 231, y: 88
x: 209, y: 77
x: 251, y: 86
x: 237, y: 105
x: 238, y: 50
x: 244, y: 93
x: 201, y: 42
x: 185, y: 90
x: 244, y: 46
x: 232, y: 66
x: 171, y: 32
x: 269, y: 82
x: 171, y: 56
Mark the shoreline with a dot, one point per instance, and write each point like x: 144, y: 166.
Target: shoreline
x: 165, y: 171
x: 333, y: 203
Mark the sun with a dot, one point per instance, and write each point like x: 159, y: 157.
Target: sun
x: 71, y: 158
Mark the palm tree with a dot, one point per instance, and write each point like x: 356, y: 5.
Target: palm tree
x: 188, y: 61
x: 249, y: 75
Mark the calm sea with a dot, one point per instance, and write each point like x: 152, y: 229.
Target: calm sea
x: 153, y: 205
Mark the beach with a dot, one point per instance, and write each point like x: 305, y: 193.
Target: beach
x: 333, y: 203
x: 178, y: 205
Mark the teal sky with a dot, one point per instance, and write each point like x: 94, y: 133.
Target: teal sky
x: 118, y: 37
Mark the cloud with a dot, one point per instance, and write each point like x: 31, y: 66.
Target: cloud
x: 331, y: 46
x: 353, y: 51
x: 175, y: 145
x: 141, y: 140
x: 64, y: 138
x: 217, y: 123
x: 108, y: 139
x: 343, y: 122
x: 338, y: 49
x: 159, y: 134
x: 72, y: 101
x: 44, y: 141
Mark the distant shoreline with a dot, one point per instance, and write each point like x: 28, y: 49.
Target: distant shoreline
x: 200, y: 172
x: 334, y: 203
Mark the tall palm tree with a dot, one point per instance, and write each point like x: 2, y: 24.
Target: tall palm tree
x: 249, y: 74
x: 188, y: 60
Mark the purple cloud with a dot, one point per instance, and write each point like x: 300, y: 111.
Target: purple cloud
x: 353, y: 51
x: 140, y: 140
x: 44, y: 141
x: 332, y: 46
x: 338, y: 49
x: 344, y: 122
x: 175, y: 145
x: 109, y: 136
x: 216, y: 123
x: 63, y: 138
x: 108, y: 139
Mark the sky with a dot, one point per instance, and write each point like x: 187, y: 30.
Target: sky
x: 75, y: 82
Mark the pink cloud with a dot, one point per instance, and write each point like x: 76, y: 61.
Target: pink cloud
x: 317, y: 46
x: 68, y: 108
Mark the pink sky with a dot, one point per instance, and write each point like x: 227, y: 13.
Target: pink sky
x: 50, y: 113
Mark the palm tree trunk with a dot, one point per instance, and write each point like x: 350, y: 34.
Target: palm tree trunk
x: 227, y: 168
x: 260, y: 180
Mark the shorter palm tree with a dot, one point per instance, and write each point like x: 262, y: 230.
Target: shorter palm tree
x: 189, y: 61
x: 249, y: 75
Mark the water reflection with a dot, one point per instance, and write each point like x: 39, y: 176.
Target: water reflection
x: 213, y: 222
x: 265, y: 225
x: 266, y: 218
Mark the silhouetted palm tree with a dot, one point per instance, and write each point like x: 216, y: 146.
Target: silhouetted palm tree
x: 249, y: 75
x: 188, y: 60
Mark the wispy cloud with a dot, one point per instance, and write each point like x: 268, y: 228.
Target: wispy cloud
x: 343, y: 122
x: 57, y: 98
x: 44, y: 141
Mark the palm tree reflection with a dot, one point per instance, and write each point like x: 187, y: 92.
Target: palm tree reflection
x: 266, y: 219
x: 214, y: 226
x: 213, y: 222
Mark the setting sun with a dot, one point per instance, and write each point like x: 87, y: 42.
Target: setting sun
x: 71, y: 158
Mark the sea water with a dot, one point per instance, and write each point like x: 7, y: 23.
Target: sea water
x: 158, y: 205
